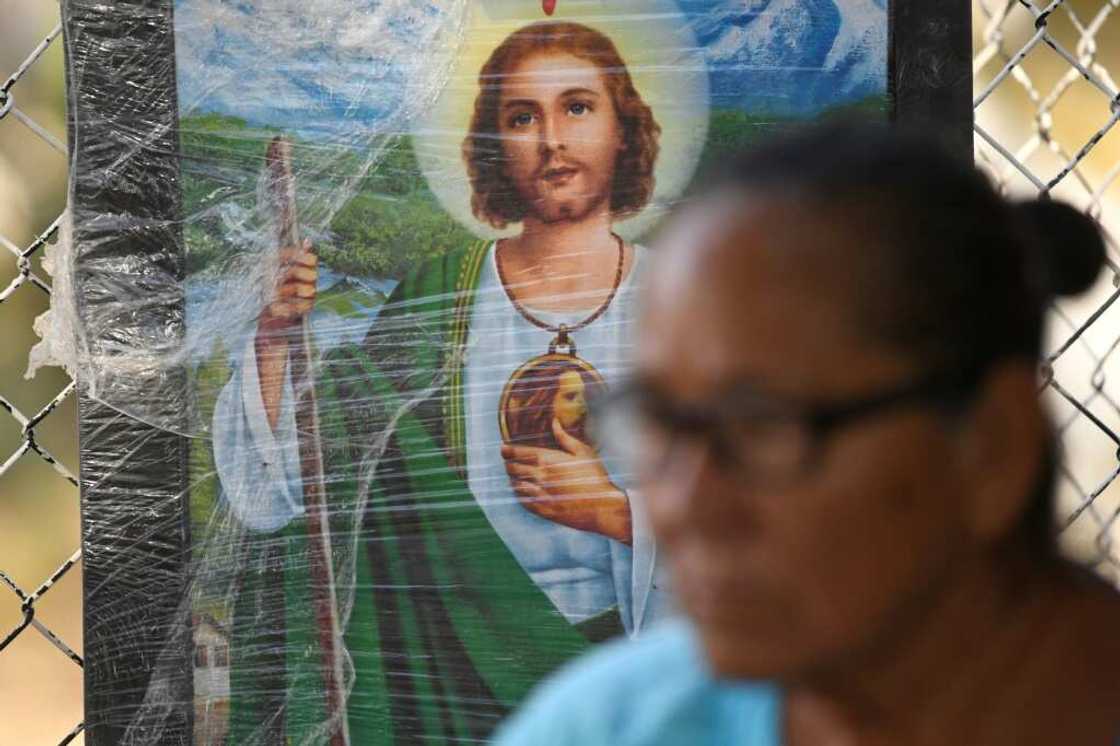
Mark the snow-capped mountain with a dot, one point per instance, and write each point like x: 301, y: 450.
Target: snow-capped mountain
x: 792, y: 56
x: 354, y: 67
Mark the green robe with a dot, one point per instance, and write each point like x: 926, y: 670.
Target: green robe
x: 445, y: 629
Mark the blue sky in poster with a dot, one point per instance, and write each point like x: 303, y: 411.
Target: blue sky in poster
x: 353, y: 61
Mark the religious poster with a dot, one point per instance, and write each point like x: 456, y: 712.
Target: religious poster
x: 394, y: 254
x: 415, y: 234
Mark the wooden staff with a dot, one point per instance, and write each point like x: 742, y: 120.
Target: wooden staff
x: 282, y: 189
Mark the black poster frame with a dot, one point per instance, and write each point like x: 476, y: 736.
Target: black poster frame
x: 135, y: 527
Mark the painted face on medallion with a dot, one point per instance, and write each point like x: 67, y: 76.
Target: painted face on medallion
x: 570, y: 403
x: 545, y: 391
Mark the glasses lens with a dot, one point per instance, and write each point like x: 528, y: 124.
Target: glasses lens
x: 769, y: 450
x: 629, y: 434
x: 639, y: 438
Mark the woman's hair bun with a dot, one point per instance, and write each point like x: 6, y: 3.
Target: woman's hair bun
x: 1070, y: 245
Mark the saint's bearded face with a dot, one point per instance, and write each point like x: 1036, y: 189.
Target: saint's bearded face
x: 560, y: 136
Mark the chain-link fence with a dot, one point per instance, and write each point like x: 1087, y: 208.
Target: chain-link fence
x: 1046, y: 113
x: 1047, y: 109
x: 39, y: 590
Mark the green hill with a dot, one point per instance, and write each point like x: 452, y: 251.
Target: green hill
x: 393, y: 221
x: 349, y: 299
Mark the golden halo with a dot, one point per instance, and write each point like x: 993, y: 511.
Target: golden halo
x: 660, y: 51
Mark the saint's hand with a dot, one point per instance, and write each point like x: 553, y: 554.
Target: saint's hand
x: 295, y: 288
x: 292, y: 299
x: 569, y: 486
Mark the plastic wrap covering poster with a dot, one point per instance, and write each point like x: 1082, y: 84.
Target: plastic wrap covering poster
x: 415, y: 232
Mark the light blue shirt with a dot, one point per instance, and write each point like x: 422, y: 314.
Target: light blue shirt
x: 655, y: 691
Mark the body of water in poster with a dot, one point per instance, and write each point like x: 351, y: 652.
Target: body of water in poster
x: 415, y: 233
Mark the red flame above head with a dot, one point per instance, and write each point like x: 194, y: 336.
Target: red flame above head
x: 549, y: 6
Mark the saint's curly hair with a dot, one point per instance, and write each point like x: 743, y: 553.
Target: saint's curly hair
x: 494, y: 199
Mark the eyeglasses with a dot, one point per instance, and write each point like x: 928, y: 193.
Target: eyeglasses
x: 763, y: 439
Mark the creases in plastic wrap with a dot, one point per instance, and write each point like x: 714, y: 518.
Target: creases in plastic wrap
x: 59, y: 328
x: 412, y: 242
x: 309, y: 70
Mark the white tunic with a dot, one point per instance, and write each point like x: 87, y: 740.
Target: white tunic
x: 583, y: 573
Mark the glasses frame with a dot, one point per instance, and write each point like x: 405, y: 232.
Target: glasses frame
x: 950, y: 392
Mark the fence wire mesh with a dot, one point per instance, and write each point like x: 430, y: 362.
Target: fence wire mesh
x: 1047, y: 109
x: 30, y: 411
x: 1046, y: 113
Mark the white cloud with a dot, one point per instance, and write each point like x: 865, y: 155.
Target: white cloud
x: 329, y: 65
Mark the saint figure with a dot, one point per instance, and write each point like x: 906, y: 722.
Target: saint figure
x: 468, y: 566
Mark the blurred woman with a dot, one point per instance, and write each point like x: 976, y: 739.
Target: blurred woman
x: 848, y: 466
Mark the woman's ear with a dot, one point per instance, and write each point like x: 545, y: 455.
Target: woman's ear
x: 1003, y: 450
